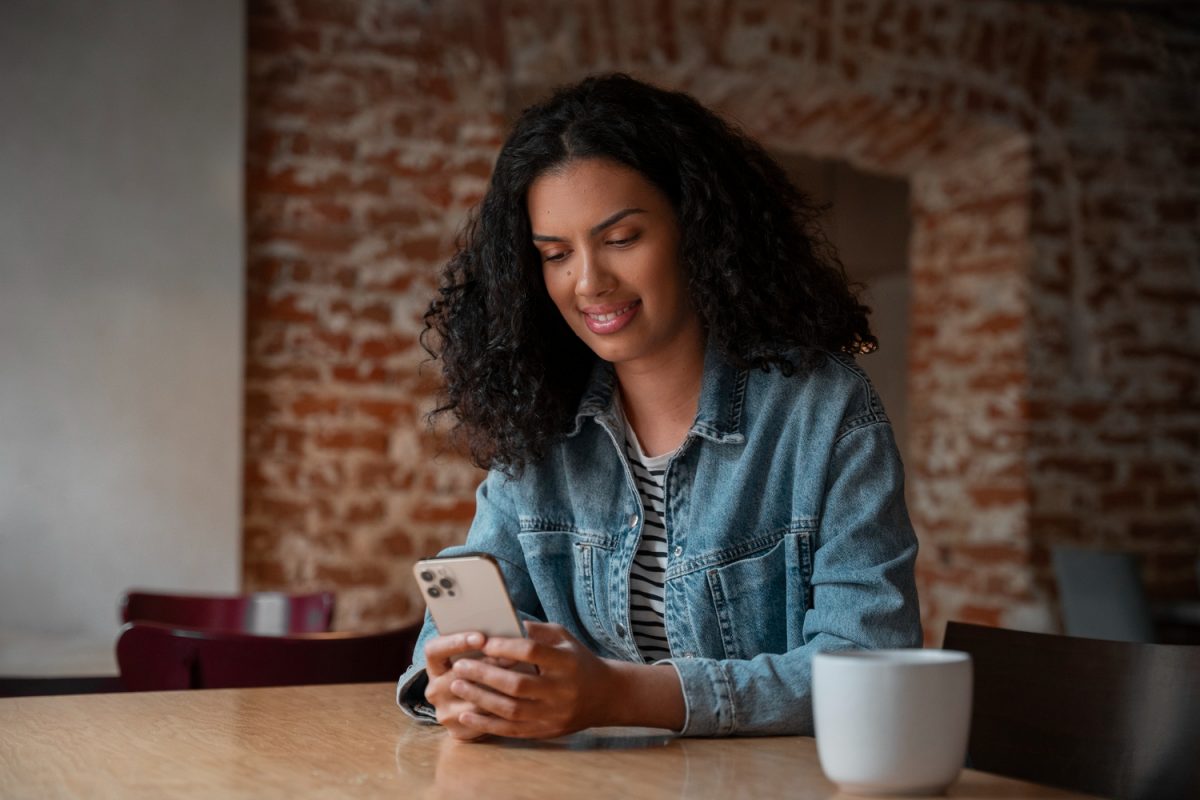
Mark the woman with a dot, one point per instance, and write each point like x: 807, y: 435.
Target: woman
x: 692, y: 487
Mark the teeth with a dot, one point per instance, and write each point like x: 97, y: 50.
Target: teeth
x: 609, y: 317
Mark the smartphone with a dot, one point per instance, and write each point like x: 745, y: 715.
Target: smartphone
x: 467, y: 593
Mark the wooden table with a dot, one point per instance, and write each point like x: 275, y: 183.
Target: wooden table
x: 352, y: 741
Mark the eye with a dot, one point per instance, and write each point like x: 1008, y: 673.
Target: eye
x: 625, y: 242
x: 559, y: 255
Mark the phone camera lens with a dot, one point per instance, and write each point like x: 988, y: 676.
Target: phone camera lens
x: 426, y: 575
x: 434, y: 591
x: 446, y: 583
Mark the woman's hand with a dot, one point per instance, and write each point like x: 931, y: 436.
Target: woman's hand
x: 450, y: 707
x: 570, y: 691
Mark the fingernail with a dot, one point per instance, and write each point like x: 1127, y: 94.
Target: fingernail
x: 475, y: 639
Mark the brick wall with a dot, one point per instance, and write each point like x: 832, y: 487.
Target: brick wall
x: 1055, y: 171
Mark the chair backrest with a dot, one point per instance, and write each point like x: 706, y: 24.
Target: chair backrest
x: 156, y: 657
x: 260, y: 612
x: 1101, y: 595
x: 1118, y: 719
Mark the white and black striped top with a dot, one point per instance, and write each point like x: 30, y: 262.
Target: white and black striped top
x: 650, y: 563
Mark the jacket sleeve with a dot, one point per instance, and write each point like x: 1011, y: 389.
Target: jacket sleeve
x: 493, y: 531
x: 863, y: 596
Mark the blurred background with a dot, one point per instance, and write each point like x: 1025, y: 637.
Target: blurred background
x: 222, y: 220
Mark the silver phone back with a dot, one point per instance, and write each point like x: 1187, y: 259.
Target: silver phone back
x: 467, y: 593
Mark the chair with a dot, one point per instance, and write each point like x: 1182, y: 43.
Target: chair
x: 1102, y: 596
x: 1118, y: 719
x: 260, y: 612
x: 154, y: 657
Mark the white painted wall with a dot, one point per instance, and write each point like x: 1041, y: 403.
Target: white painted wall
x: 121, y: 305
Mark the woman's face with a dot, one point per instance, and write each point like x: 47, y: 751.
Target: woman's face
x: 609, y: 244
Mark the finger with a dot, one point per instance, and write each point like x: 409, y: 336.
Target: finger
x: 524, y: 650
x: 503, y: 727
x: 487, y: 702
x: 440, y: 649
x: 499, y: 662
x: 501, y: 679
x: 450, y: 721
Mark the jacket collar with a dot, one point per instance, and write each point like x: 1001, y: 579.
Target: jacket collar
x: 718, y: 417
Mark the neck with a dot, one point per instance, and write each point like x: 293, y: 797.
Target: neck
x: 660, y: 398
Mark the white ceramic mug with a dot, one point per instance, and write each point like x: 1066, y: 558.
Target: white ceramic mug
x: 892, y: 721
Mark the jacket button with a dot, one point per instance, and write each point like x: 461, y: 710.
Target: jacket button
x: 678, y: 551
x: 620, y: 630
x: 633, y: 520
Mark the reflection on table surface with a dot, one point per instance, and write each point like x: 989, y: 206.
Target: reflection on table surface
x: 352, y: 741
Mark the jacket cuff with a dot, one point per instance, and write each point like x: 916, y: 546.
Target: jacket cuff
x: 707, y: 696
x: 410, y: 695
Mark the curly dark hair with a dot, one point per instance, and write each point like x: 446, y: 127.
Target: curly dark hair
x: 767, y: 286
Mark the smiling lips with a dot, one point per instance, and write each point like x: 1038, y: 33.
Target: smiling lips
x: 611, y: 318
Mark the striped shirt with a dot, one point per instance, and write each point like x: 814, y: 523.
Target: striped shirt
x: 650, y: 563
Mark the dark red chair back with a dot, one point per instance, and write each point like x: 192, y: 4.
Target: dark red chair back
x: 157, y: 657
x: 260, y: 612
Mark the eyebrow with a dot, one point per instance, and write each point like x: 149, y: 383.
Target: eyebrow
x: 613, y: 220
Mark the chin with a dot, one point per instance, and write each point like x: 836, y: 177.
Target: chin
x: 613, y: 355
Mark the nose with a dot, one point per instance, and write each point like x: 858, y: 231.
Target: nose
x: 594, y: 277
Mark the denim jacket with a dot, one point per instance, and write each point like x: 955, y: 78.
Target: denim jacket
x: 787, y: 534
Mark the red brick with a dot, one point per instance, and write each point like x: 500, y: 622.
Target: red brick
x: 398, y: 284
x: 383, y: 474
x: 996, y: 380
x: 993, y: 496
x: 361, y: 374
x: 367, y: 312
x: 266, y: 37
x: 385, y: 346
x: 264, y: 575
x: 400, y: 217
x: 253, y: 476
x: 280, y: 373
x: 310, y: 405
x: 1088, y: 413
x: 390, y: 607
x: 280, y: 512
x: 1123, y: 500
x: 367, y: 441
x: 993, y: 553
x: 339, y: 343
x: 265, y: 440
x: 388, y: 412
x: 1056, y: 526
x: 1167, y: 499
x: 280, y: 309
x: 258, y: 403
x: 980, y: 615
x: 459, y: 511
x: 397, y: 543
x: 327, y: 477
x: 1164, y: 532
x: 349, y: 576
x: 370, y: 511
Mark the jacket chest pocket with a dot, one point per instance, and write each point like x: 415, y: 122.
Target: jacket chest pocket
x: 760, y: 599
x: 568, y: 571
